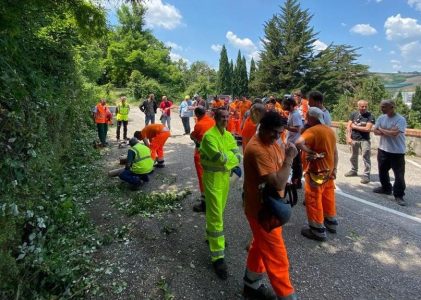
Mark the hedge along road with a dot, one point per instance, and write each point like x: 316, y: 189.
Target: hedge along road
x: 375, y: 254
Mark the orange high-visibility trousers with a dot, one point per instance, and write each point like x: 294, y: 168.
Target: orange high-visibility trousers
x: 267, y: 253
x: 320, y: 202
x: 233, y: 125
x: 199, y: 169
x: 157, y: 145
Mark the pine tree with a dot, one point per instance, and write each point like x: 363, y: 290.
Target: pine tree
x: 223, y: 79
x: 416, y: 100
x: 287, y: 50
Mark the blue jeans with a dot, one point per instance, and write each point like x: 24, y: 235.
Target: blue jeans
x: 166, y: 121
x: 186, y: 124
x: 134, y: 179
x: 149, y: 118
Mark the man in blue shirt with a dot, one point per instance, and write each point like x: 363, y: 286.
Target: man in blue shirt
x: 186, y: 113
x: 391, y: 128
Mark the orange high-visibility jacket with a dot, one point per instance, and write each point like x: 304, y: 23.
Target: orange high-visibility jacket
x: 103, y: 114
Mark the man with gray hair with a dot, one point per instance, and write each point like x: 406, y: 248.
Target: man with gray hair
x: 391, y: 128
x: 358, y: 137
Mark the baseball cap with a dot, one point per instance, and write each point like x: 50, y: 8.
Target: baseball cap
x: 317, y: 113
x: 187, y: 97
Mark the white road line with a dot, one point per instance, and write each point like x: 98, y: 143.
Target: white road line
x: 392, y: 211
x: 413, y: 163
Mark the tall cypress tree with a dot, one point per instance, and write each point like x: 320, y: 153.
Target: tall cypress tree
x: 236, y: 82
x: 223, y: 79
x: 231, y: 77
x: 252, y: 79
x: 243, y: 78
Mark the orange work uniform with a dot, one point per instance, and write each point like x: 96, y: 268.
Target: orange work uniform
x: 218, y: 103
x: 320, y: 198
x: 249, y: 130
x: 157, y: 134
x: 267, y: 252
x: 244, y: 106
x: 303, y: 108
x: 203, y: 124
x: 234, y: 120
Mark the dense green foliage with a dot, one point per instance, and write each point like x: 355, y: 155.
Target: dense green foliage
x: 45, y: 136
x: 224, y: 79
x: 240, y: 78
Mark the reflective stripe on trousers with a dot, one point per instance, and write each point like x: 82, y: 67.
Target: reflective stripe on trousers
x: 216, y: 185
x: 320, y: 204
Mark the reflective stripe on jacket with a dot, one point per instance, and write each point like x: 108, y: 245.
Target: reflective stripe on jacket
x: 142, y: 163
x: 123, y: 112
x: 219, y: 152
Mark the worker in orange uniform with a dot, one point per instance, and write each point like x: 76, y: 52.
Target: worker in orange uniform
x: 203, y: 124
x: 302, y: 104
x: 154, y: 136
x: 244, y: 106
x: 250, y: 125
x: 102, y: 117
x: 266, y: 163
x: 318, y: 142
x: 217, y: 103
x: 234, y: 120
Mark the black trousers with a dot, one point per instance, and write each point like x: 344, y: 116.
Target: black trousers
x: 124, y: 129
x: 186, y: 124
x: 297, y: 170
x: 396, y: 162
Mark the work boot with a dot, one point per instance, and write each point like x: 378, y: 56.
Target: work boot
x: 365, y: 180
x: 200, y: 207
x: 160, y: 164
x: 220, y: 268
x: 263, y: 292
x: 308, y: 233
x: 400, y: 201
x: 331, y: 225
x: 381, y: 190
x: 351, y: 174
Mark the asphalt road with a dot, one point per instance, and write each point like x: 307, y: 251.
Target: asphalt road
x: 376, y: 253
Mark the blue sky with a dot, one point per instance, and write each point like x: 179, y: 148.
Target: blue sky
x: 387, y: 31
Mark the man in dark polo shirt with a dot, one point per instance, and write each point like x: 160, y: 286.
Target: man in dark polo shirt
x: 358, y: 137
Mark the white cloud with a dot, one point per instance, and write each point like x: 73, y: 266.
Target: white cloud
x: 363, y: 29
x: 255, y: 55
x: 411, y: 51
x: 162, y: 15
x: 176, y: 57
x: 415, y: 3
x: 216, y: 47
x: 173, y: 46
x: 394, y: 61
x: 318, y: 46
x: 392, y: 52
x: 399, y: 29
x: 245, y: 44
x: 378, y: 1
x: 377, y: 48
x: 343, y: 24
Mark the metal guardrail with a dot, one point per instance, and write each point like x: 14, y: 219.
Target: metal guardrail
x: 409, y: 131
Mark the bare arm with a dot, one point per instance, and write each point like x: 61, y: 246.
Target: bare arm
x: 348, y: 132
x: 366, y: 128
x: 146, y: 142
x: 389, y: 132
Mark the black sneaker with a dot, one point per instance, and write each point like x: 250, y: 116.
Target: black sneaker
x: 351, y: 174
x: 220, y: 268
x: 200, y: 207
x: 380, y: 190
x: 400, y: 201
x: 310, y: 235
x: 263, y: 292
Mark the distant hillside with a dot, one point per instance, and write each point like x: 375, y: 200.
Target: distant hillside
x: 401, y: 81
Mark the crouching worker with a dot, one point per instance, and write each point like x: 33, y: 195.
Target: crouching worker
x: 139, y: 164
x: 154, y: 136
